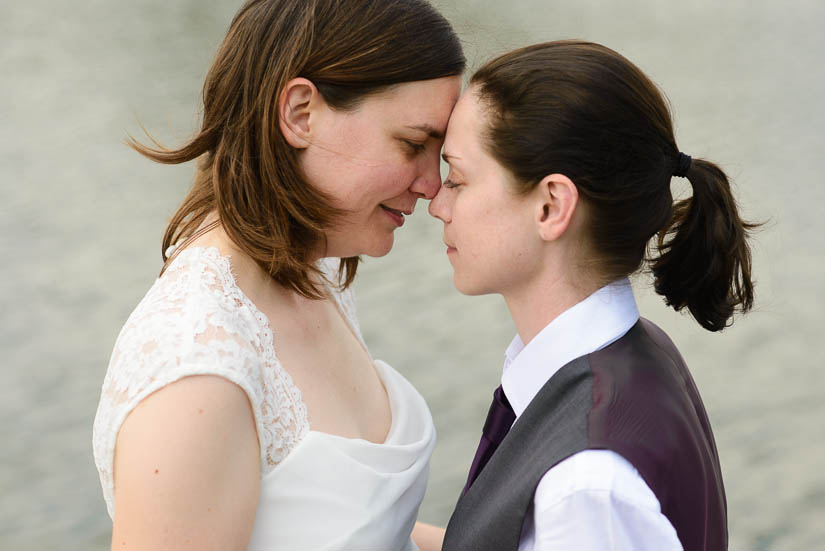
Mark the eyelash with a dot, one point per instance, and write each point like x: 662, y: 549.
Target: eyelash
x: 449, y: 184
x: 414, y: 146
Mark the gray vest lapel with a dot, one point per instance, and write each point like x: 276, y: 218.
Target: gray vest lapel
x: 553, y: 427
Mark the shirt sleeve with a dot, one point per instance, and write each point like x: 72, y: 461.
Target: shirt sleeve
x: 596, y: 500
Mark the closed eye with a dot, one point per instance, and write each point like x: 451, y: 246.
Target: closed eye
x: 449, y: 184
x: 415, y: 146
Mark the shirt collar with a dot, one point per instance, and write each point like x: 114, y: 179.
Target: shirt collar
x: 597, y: 321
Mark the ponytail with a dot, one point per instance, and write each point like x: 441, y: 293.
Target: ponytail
x: 704, y: 260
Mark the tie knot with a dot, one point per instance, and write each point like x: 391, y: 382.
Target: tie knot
x: 500, y: 417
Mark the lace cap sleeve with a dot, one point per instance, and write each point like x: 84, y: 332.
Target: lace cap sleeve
x: 193, y: 321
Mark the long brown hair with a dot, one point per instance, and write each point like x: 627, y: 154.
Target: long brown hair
x: 583, y: 110
x: 246, y: 170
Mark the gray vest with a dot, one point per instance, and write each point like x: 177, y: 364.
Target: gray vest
x: 634, y: 397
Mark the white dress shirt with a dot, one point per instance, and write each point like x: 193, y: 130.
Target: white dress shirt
x: 594, y: 499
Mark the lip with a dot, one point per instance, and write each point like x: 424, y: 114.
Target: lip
x: 407, y: 211
x: 397, y: 216
x: 450, y: 248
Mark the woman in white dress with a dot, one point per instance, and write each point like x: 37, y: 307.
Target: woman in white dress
x: 241, y: 408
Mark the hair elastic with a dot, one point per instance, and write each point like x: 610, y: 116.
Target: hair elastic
x: 684, y: 165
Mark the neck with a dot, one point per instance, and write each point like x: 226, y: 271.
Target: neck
x: 534, y: 307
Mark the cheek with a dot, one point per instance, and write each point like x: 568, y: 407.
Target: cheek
x: 501, y: 235
x: 480, y: 219
x: 391, y: 179
x: 362, y: 185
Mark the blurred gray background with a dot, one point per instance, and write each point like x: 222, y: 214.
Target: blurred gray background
x: 81, y: 218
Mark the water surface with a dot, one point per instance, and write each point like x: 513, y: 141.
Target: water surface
x: 82, y: 218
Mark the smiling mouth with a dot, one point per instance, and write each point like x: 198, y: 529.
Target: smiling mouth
x: 395, y: 214
x: 396, y: 211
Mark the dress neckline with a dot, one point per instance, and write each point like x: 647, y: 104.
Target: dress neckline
x: 223, y: 261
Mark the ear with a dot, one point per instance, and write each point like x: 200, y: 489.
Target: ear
x: 296, y: 103
x: 558, y: 198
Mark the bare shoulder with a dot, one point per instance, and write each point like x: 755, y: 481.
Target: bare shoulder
x: 187, y: 468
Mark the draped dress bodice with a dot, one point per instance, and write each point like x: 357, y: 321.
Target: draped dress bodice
x: 317, y: 490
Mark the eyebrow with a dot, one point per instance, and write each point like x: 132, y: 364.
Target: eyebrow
x: 446, y: 156
x: 430, y: 130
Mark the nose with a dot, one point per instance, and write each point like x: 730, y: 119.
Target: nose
x: 429, y: 181
x: 440, y: 205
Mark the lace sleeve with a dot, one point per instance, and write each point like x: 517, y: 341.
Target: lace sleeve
x: 189, y: 323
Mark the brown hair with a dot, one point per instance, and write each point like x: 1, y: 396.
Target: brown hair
x: 582, y: 110
x: 247, y: 171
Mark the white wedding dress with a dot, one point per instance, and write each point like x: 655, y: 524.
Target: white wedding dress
x: 318, y: 491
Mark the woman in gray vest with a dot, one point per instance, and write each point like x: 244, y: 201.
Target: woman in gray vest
x: 561, y: 157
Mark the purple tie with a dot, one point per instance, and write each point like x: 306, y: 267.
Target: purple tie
x: 499, y: 420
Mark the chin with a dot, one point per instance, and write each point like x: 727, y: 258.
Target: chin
x: 469, y: 288
x: 379, y: 249
x: 374, y: 246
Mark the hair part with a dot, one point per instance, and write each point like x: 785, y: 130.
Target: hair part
x: 246, y: 170
x: 583, y: 110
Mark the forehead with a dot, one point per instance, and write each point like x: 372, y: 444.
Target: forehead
x: 419, y: 103
x: 466, y: 123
